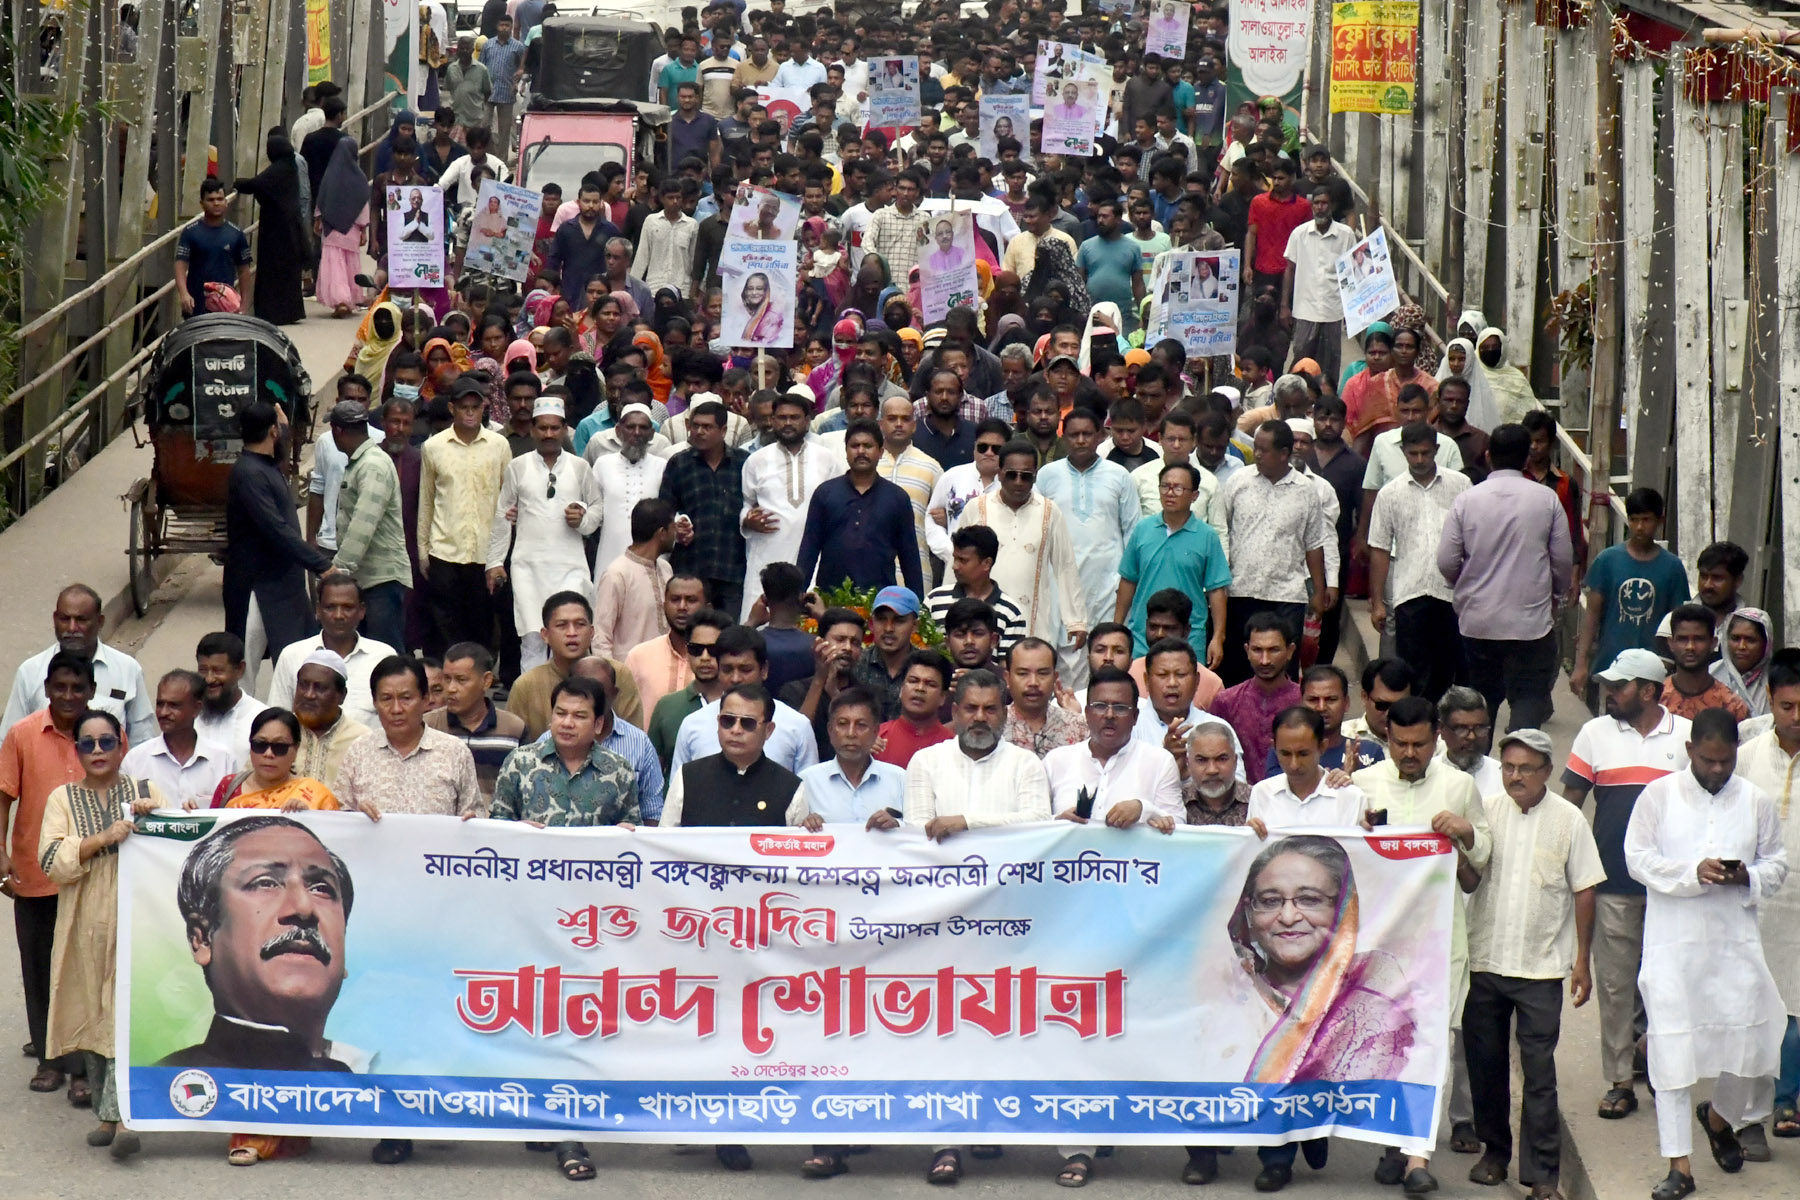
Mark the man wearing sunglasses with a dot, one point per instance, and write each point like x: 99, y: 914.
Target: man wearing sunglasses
x: 960, y: 484
x: 1036, y: 566
x: 1384, y: 681
x: 704, y: 687
x: 744, y: 659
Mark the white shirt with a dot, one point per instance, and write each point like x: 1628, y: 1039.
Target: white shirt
x: 196, y: 779
x: 1315, y: 256
x: 231, y: 729
x: 1712, y: 1003
x: 1139, y: 772
x: 956, y: 487
x: 621, y: 484
x: 1273, y: 527
x: 118, y: 689
x: 1150, y: 728
x: 457, y: 173
x: 780, y: 483
x: 1036, y: 567
x: 1522, y: 916
x: 1274, y: 803
x: 359, y: 703
x: 1387, y: 459
x: 796, y: 74
x: 792, y: 744
x: 665, y: 253
x: 1407, y: 518
x: 1763, y: 762
x: 1486, y: 774
x: 1006, y: 786
x: 854, y: 221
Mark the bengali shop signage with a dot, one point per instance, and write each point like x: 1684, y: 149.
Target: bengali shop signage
x: 322, y: 974
x: 1374, y: 45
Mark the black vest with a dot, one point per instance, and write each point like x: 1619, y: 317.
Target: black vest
x: 713, y: 793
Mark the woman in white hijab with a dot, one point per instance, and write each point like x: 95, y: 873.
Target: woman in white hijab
x: 1459, y: 361
x: 1103, y: 317
x: 1743, y: 664
x: 1507, y: 386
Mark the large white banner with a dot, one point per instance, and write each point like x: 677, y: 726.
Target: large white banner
x: 1268, y: 41
x: 426, y: 977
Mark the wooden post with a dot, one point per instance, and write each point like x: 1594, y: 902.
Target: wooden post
x: 136, y: 109
x: 1576, y: 119
x: 1433, y: 99
x: 1483, y: 91
x: 1693, y: 344
x: 1755, y: 522
x: 1637, y: 138
x: 249, y: 31
x: 365, y: 22
x: 1603, y: 409
x: 1454, y: 231
x: 1787, y: 286
x: 202, y: 89
x: 1730, y: 324
x: 1526, y: 117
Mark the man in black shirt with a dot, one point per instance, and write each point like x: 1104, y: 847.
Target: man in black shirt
x: 578, y: 250
x: 320, y: 143
x: 1341, y: 467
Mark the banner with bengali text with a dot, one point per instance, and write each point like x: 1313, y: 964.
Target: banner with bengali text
x: 1374, y: 51
x: 1268, y: 42
x: 322, y: 974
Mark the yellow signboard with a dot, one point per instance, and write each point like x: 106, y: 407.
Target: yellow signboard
x: 318, y: 41
x: 1374, y: 53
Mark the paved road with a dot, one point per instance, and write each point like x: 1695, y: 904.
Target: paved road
x: 42, y: 1153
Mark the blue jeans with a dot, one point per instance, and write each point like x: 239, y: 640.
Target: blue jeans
x: 1787, y: 1086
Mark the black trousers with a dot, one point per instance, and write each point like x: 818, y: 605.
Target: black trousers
x: 34, y: 924
x: 727, y: 596
x: 459, y: 605
x: 1520, y: 673
x: 1488, y: 1015
x: 1331, y: 630
x: 1426, y: 636
x: 1238, y: 610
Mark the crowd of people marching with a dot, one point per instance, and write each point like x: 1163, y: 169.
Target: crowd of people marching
x: 573, y: 560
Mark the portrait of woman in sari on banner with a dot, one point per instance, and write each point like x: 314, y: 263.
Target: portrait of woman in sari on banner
x: 1334, y: 1014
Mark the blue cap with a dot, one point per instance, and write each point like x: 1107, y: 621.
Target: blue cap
x: 901, y: 599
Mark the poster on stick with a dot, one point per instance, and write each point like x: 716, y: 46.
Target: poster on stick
x: 1366, y: 283
x: 947, y: 276
x: 503, y: 230
x: 1196, y: 301
x: 415, y: 236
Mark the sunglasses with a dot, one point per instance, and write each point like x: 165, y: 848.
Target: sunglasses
x: 747, y: 724
x: 1381, y: 705
x: 1018, y: 476
x: 988, y: 447
x: 105, y: 744
x: 702, y: 650
x: 267, y: 746
x: 550, y: 492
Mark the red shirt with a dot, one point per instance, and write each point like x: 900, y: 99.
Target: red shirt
x: 905, y: 739
x: 1273, y: 221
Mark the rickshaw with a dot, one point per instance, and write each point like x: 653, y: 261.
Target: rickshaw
x: 203, y: 374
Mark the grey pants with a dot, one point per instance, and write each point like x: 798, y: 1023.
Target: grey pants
x: 1618, y: 951
x: 103, y: 1077
x: 1319, y: 341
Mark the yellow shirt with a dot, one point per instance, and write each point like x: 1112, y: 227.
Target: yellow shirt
x: 459, y: 483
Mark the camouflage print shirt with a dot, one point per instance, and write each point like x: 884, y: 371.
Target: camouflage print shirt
x: 534, y: 785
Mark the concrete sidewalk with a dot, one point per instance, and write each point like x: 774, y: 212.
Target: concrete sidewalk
x: 79, y: 532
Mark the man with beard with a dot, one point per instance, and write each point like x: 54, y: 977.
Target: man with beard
x: 779, y: 481
x: 628, y: 467
x: 1036, y: 566
x: 660, y: 666
x: 1467, y: 735
x: 924, y: 683
x: 1250, y: 707
x: 704, y: 686
x: 273, y: 957
x: 1214, y: 792
x: 971, y: 636
x: 1615, y: 756
x: 1168, y: 711
x: 629, y: 597
x: 226, y: 710
x: 326, y: 732
x: 1414, y: 787
x: 835, y: 651
x: 1034, y: 721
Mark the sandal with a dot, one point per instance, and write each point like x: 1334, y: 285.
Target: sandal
x: 1724, y: 1143
x: 574, y: 1163
x: 945, y: 1168
x: 124, y: 1145
x: 101, y: 1136
x: 81, y: 1093
x: 1673, y: 1187
x: 1075, y: 1171
x: 47, y: 1079
x: 243, y: 1156
x: 733, y: 1158
x: 1489, y: 1172
x: 1463, y: 1139
x: 1618, y: 1104
x: 824, y: 1166
x: 1787, y: 1121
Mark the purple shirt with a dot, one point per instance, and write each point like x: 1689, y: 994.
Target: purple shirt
x: 1251, y: 709
x: 1505, y: 547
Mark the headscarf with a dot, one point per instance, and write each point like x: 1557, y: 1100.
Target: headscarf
x: 499, y: 408
x: 628, y: 307
x: 384, y: 150
x: 1482, y: 414
x: 1511, y: 391
x: 459, y: 362
x: 1411, y: 316
x: 899, y: 367
x: 666, y: 305
x: 1009, y: 331
x: 538, y: 310
x: 1471, y: 322
x: 526, y: 322
x: 867, y: 286
x: 997, y: 308
x: 1752, y: 686
x: 1349, y: 1019
x: 521, y: 349
x: 1104, y: 315
x: 372, y: 355
x: 1137, y: 356
x: 656, y: 377
x: 1055, y: 263
x: 343, y: 190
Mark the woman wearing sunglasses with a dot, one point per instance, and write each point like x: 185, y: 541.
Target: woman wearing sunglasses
x: 79, y: 846
x: 271, y: 783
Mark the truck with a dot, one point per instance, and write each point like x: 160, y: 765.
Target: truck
x: 586, y: 107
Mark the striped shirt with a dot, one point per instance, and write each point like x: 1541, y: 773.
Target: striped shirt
x: 917, y: 474
x: 1012, y: 621
x: 496, y: 736
x: 1616, y: 763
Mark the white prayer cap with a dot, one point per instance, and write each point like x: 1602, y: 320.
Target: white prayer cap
x: 638, y: 408
x: 801, y: 389
x: 1302, y: 425
x: 705, y: 398
x: 1230, y: 393
x: 548, y: 406
x: 331, y: 660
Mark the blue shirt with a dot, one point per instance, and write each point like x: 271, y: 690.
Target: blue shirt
x: 830, y: 796
x: 1637, y: 596
x: 1184, y: 100
x: 791, y: 744
x: 1368, y: 753
x: 213, y: 254
x: 503, y: 59
x: 691, y: 138
x: 858, y: 535
x: 1189, y: 559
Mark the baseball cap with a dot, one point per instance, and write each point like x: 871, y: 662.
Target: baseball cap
x: 467, y: 387
x: 1637, y: 664
x: 1531, y: 739
x: 348, y: 414
x: 1060, y: 359
x: 902, y: 600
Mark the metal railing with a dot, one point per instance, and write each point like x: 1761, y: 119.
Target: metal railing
x: 152, y: 316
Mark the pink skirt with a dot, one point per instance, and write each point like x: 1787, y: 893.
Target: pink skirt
x: 340, y: 258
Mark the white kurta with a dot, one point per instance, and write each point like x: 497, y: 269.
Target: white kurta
x: 1100, y: 507
x: 621, y: 484
x: 1763, y: 762
x: 1712, y: 1003
x: 1036, y: 568
x: 781, y: 484
x: 547, y: 555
